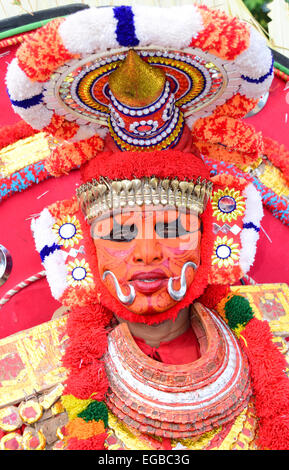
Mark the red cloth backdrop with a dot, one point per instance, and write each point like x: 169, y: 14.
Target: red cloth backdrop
x: 34, y: 304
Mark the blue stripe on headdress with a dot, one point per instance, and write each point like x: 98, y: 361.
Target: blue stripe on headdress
x: 262, y: 78
x: 28, y: 102
x: 125, y: 29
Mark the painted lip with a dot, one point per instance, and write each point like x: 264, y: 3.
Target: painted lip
x: 149, y: 282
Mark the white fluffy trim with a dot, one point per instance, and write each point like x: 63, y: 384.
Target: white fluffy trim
x: 167, y: 27
x: 89, y: 31
x: 249, y: 236
x: 56, y: 273
x: 95, y: 29
x: 42, y: 230
x: 255, y: 63
x: 19, y: 86
x: 87, y: 131
x: 54, y: 264
x: 37, y: 116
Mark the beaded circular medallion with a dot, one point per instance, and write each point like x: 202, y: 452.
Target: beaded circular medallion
x: 80, y: 91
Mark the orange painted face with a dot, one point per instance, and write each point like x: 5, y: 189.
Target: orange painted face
x: 147, y: 256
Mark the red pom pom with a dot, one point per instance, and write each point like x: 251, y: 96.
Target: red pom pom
x: 213, y: 295
x: 92, y: 443
x: 89, y: 381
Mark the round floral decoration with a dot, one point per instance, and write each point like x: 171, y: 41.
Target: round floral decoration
x: 68, y: 231
x: 79, y: 273
x: 228, y: 204
x: 226, y: 252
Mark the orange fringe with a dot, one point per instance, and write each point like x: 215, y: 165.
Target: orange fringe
x: 43, y: 52
x: 225, y: 37
x: 71, y: 155
x: 60, y: 128
x: 62, y: 208
x: 236, y: 107
x: 84, y: 430
x: 230, y: 132
x: 221, y: 305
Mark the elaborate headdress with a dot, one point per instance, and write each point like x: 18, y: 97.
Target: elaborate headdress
x: 195, y: 73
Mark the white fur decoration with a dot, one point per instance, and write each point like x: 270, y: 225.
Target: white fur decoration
x: 89, y: 30
x: 249, y: 236
x: 42, y: 230
x: 37, y: 116
x: 54, y: 263
x: 254, y: 208
x: 56, y: 273
x: 167, y: 27
x: 255, y: 63
x: 19, y: 86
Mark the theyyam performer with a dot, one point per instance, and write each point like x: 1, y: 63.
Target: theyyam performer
x: 161, y: 353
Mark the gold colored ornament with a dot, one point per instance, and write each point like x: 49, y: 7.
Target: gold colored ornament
x: 228, y: 204
x: 101, y: 196
x: 59, y: 445
x: 34, y: 440
x: 57, y: 408
x: 226, y: 252
x: 48, y: 399
x: 136, y: 83
x: 30, y: 411
x: 79, y: 273
x: 10, y: 419
x: 11, y: 441
x: 68, y: 231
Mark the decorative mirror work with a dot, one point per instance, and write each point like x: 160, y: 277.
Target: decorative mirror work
x: 80, y: 89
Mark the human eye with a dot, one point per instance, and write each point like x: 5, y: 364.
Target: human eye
x: 121, y: 232
x: 171, y: 229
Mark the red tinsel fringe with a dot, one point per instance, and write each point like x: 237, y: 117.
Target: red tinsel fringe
x: 87, y: 344
x: 270, y: 385
x: 213, y: 295
x: 92, y: 443
x: 37, y: 57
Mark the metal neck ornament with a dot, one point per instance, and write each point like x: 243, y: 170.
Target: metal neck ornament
x: 180, y: 294
x: 124, y: 299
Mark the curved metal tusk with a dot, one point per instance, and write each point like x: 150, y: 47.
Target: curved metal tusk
x: 124, y: 299
x: 180, y: 294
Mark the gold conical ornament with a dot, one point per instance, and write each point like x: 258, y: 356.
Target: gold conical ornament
x: 136, y: 83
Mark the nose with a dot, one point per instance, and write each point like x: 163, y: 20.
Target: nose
x: 147, y: 251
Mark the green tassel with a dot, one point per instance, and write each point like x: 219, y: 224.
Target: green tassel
x: 95, y: 411
x: 238, y: 311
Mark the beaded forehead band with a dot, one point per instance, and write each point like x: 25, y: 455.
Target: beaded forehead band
x: 98, y: 197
